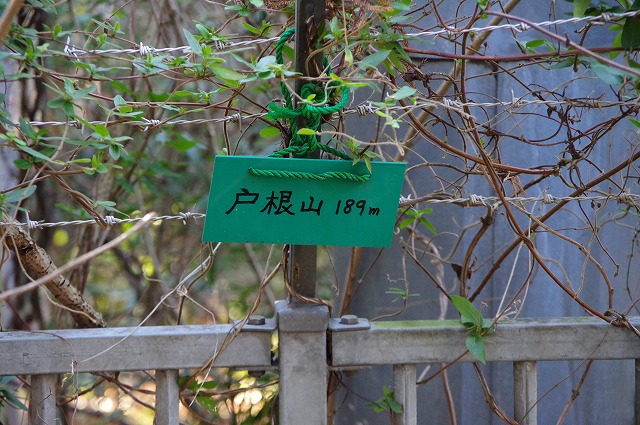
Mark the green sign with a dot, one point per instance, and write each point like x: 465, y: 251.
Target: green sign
x: 303, y: 201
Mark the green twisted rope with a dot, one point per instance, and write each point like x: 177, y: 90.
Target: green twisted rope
x: 302, y: 145
x: 310, y: 176
x: 279, y: 47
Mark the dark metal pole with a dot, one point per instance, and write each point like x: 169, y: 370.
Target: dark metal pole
x: 309, y: 16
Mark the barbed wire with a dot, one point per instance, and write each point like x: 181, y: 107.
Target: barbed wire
x: 629, y: 199
x: 143, y: 50
x: 109, y: 220
x: 521, y: 27
x: 586, y: 102
x: 632, y: 200
x: 147, y: 123
x: 368, y: 108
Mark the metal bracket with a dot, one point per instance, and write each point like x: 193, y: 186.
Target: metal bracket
x: 270, y: 325
x: 337, y: 325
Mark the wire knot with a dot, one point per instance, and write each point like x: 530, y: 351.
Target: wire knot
x: 548, y: 199
x: 365, y: 109
x: 31, y: 225
x: 150, y: 123
x: 185, y: 217
x: 235, y: 118
x: 69, y: 49
x: 145, y: 50
x: 516, y: 102
x: 110, y: 220
x: 605, y: 17
x: 628, y: 199
x: 476, y: 201
x: 404, y: 198
x: 220, y: 45
x: 451, y: 35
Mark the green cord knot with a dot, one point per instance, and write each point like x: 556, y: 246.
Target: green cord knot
x: 315, y: 104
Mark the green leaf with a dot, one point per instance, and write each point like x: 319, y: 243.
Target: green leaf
x: 617, y: 42
x: 579, y: 7
x: 367, y: 162
x: 82, y: 94
x: 119, y: 102
x: 65, y: 104
x: 348, y: 57
x: 403, y: 93
x: 204, y: 31
x: 633, y: 64
x: 12, y: 400
x: 386, y: 403
x: 226, y: 73
x: 400, y: 293
x: 630, y: 38
x: 475, y: 345
x: 634, y: 122
x: 306, y: 132
x: 102, y: 130
x: 562, y: 64
x: 207, y: 402
x: 108, y: 205
x: 20, y: 194
x: 181, y: 144
x: 34, y: 153
x: 269, y: 132
x: 426, y: 223
x: 374, y: 60
x: 468, y: 313
x: 394, y: 406
x: 208, y: 385
x: 375, y: 407
x: 119, y: 87
x: 193, y: 43
x: 251, y: 28
x: 487, y: 328
x: 115, y: 151
x: 534, y: 43
x: 407, y: 222
x: 22, y: 164
x: 27, y: 129
x: 607, y: 74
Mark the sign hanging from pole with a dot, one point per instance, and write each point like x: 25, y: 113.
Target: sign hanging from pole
x: 303, y: 201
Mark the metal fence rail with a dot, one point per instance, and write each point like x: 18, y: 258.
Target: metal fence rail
x: 310, y: 345
x: 523, y: 342
x: 166, y: 349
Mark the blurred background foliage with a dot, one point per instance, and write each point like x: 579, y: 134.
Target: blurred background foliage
x: 129, y: 170
x: 119, y: 108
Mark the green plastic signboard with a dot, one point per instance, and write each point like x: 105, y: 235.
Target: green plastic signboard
x: 302, y: 202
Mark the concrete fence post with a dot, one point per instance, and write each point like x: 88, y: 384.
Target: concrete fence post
x: 302, y: 335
